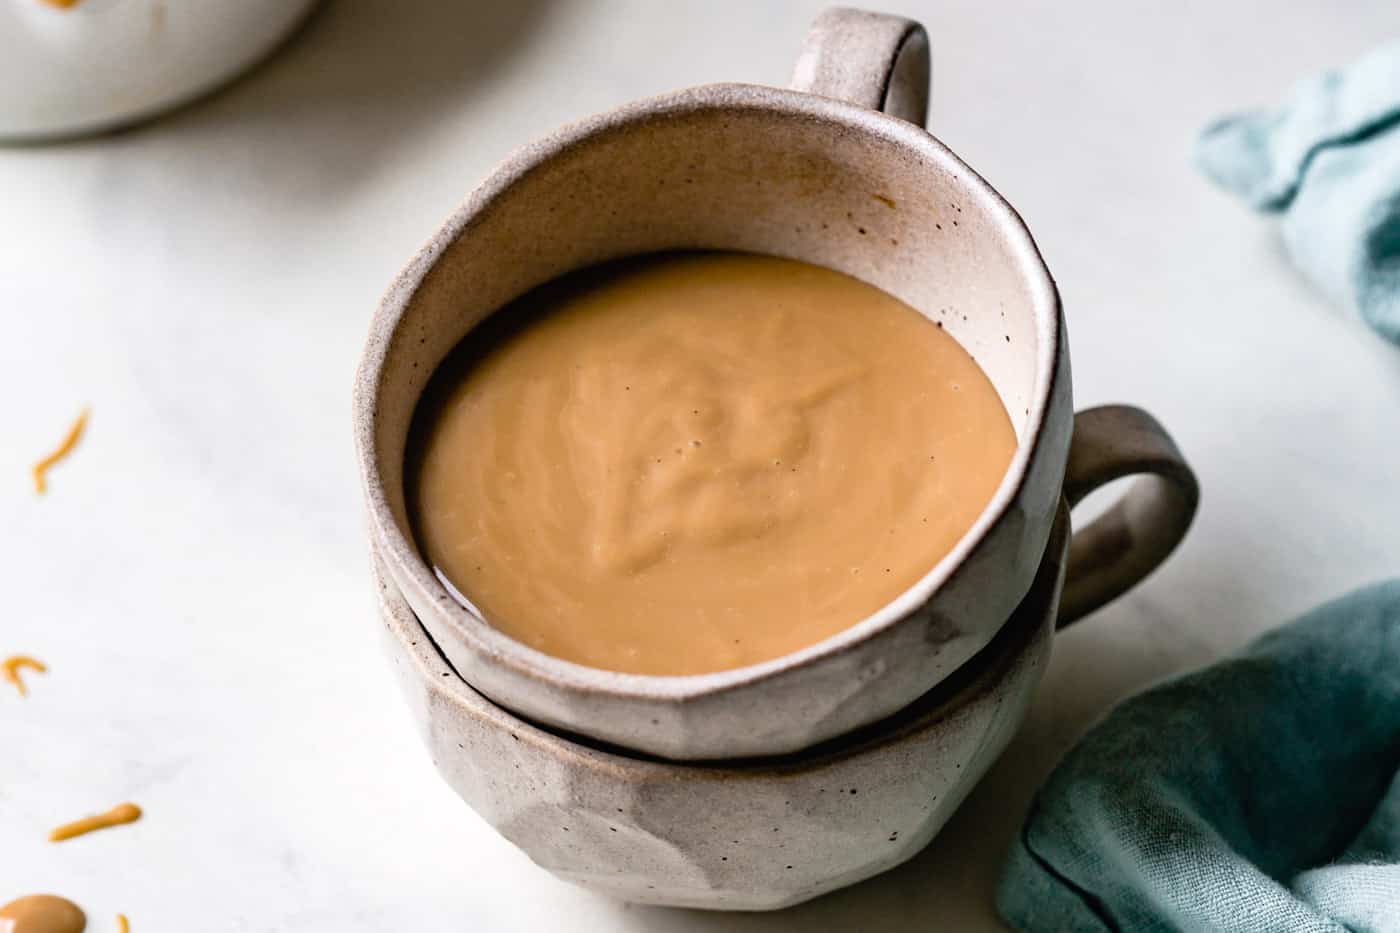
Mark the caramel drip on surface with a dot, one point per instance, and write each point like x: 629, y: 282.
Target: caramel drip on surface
x: 117, y: 816
x: 122, y: 925
x: 42, y: 913
x: 10, y: 668
x: 62, y: 5
x: 65, y: 447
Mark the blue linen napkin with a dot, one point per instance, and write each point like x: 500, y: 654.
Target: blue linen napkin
x: 1258, y: 795
x: 1328, y: 160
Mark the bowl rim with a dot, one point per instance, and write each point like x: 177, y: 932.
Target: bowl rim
x: 484, y: 641
x: 123, y: 111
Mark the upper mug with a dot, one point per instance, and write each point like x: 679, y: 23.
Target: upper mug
x: 836, y: 170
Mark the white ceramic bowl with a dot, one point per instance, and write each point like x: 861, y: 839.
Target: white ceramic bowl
x: 104, y: 63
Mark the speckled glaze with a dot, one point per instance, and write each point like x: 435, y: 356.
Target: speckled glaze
x: 797, y: 174
x: 731, y: 836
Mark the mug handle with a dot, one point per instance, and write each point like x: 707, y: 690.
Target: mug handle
x: 1115, y: 551
x: 871, y: 59
x: 882, y: 62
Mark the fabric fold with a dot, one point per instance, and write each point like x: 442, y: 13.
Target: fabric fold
x: 1328, y: 160
x: 1258, y: 794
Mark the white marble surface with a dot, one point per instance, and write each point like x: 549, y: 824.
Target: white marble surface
x: 195, y: 576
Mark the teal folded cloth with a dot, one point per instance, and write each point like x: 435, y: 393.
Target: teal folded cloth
x: 1259, y: 795
x: 1329, y: 161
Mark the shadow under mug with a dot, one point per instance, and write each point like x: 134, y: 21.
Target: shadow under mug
x: 835, y: 171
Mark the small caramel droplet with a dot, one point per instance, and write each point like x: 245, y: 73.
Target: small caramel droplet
x: 117, y: 816
x: 9, y: 669
x: 42, y: 913
x: 64, y: 448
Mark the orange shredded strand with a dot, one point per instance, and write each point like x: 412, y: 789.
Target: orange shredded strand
x: 70, y: 440
x: 117, y: 816
x: 10, y: 667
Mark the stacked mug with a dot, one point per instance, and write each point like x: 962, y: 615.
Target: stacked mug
x: 764, y: 786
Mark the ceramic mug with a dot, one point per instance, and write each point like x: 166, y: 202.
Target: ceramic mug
x: 835, y: 171
x: 774, y: 831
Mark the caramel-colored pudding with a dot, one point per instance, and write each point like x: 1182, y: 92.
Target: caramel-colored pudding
x: 42, y: 913
x: 693, y: 462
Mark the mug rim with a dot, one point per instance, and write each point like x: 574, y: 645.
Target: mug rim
x: 396, y: 544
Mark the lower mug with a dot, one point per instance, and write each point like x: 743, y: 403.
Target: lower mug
x: 750, y: 834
